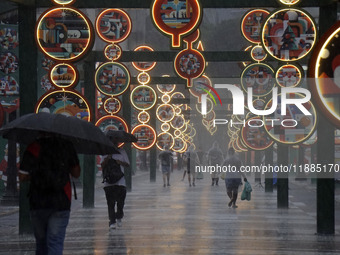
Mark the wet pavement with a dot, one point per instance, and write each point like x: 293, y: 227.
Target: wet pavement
x: 188, y: 220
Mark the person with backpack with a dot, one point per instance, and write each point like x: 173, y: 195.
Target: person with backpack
x: 48, y: 163
x: 114, y: 183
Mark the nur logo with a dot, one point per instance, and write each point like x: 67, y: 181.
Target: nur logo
x: 204, y: 98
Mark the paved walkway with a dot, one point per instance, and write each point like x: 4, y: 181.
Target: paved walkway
x: 188, y: 220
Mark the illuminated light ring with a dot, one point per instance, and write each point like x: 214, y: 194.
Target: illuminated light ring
x: 143, y: 117
x: 138, y: 65
x: 165, y: 127
x: 168, y: 111
x: 178, y: 110
x: 143, y: 78
x: 113, y: 52
x: 250, y: 78
x: 122, y: 16
x: 63, y: 2
x: 196, y: 60
x: 110, y: 123
x: 184, y: 128
x: 196, y: 89
x: 303, y: 120
x: 289, y: 2
x: 255, y: 138
x: 177, y: 133
x: 106, y: 75
x: 294, y: 68
x: 160, y: 143
x: 56, y: 52
x: 179, y: 145
x: 210, y: 106
x: 147, y: 138
x: 193, y: 132
x: 64, y: 75
x: 250, y: 19
x: 176, y: 33
x: 273, y: 35
x: 165, y: 98
x: 323, y: 68
x: 166, y: 88
x: 179, y: 95
x: 177, y: 122
x: 71, y: 103
x: 143, y: 102
x: 256, y: 54
x: 112, y: 105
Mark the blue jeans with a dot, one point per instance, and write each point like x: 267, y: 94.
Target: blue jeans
x: 49, y: 228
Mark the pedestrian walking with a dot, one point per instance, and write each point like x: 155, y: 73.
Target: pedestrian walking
x: 233, y: 178
x: 48, y: 163
x: 191, y: 158
x: 215, y: 158
x: 166, y: 161
x: 115, y: 191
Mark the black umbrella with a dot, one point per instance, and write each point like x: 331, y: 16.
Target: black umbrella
x: 121, y: 136
x: 86, y: 137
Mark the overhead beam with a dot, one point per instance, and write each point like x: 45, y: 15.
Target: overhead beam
x: 147, y: 3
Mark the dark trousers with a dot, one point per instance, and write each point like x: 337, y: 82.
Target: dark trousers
x: 115, y: 195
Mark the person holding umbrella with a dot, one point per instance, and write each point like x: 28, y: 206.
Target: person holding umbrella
x: 48, y: 163
x: 115, y: 192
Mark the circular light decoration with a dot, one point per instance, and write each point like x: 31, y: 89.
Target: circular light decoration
x: 69, y: 103
x: 64, y: 76
x: 288, y: 34
x: 254, y: 135
x: 63, y: 2
x: 143, y: 97
x: 251, y: 24
x: 165, y: 98
x: 144, y: 66
x: 166, y: 88
x: 179, y: 145
x: 143, y: 117
x: 325, y: 69
x: 112, y: 123
x: 245, y: 63
x: 258, y: 76
x: 112, y: 105
x: 236, y: 147
x: 64, y: 34
x: 165, y: 139
x: 289, y: 2
x: 178, y: 110
x: 113, y: 52
x: 146, y: 136
x: 200, y: 87
x: 176, y: 18
x: 165, y: 127
x: 189, y: 64
x: 289, y: 75
x: 9, y: 63
x: 294, y: 127
x: 143, y: 78
x: 112, y: 79
x: 177, y: 133
x: 113, y: 25
x: 178, y: 122
x: 165, y: 112
x: 258, y: 53
x: 9, y: 86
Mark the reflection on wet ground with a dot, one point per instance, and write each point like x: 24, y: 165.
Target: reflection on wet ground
x: 189, y: 220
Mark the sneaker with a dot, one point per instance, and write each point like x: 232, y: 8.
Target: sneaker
x: 119, y: 222
x: 113, y: 226
x: 235, y: 206
x: 229, y: 204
